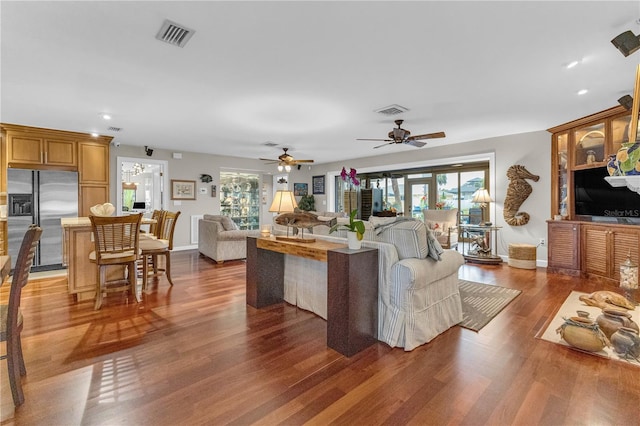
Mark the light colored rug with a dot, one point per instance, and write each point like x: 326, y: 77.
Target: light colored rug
x: 482, y: 302
x: 568, y: 309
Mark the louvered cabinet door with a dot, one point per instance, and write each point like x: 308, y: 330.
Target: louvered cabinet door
x: 595, y: 250
x: 564, y: 247
x: 623, y: 243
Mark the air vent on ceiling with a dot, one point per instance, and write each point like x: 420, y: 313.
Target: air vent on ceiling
x: 174, y: 34
x: 392, y: 110
x: 114, y: 129
x: 270, y: 144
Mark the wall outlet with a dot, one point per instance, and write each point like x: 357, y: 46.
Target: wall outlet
x: 542, y: 241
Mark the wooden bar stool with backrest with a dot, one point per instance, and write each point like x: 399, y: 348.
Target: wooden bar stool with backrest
x: 116, y: 241
x: 154, y: 228
x: 11, y: 318
x: 160, y: 246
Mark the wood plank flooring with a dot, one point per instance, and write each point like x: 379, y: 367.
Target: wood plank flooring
x: 195, y: 353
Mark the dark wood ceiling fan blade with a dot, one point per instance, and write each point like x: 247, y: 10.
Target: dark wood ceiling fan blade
x: 428, y: 136
x: 384, y: 144
x: 376, y: 140
x: 302, y: 161
x: 417, y: 144
x: 268, y: 159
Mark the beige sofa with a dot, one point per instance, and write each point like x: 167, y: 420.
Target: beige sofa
x: 418, y: 296
x: 220, y: 239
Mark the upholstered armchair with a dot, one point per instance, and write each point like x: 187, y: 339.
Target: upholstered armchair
x: 443, y: 225
x: 220, y: 239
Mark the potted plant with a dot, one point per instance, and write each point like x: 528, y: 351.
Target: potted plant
x: 355, y: 228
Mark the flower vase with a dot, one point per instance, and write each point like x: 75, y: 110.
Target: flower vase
x: 353, y: 241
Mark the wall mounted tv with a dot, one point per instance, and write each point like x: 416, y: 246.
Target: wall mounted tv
x: 596, y: 198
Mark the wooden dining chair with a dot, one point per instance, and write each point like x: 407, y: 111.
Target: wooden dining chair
x: 116, y: 241
x: 11, y: 320
x: 151, y: 249
x: 155, y: 227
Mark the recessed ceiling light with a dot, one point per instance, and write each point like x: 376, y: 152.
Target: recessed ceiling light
x: 572, y: 64
x: 105, y: 116
x: 583, y: 92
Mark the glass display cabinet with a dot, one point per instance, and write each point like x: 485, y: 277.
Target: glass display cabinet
x: 240, y: 198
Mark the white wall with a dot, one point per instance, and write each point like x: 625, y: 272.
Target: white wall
x: 532, y: 150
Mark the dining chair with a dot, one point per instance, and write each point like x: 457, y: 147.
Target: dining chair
x: 154, y: 228
x: 116, y: 242
x: 11, y: 320
x: 151, y: 249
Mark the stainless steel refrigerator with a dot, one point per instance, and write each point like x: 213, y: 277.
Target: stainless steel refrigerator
x: 40, y: 197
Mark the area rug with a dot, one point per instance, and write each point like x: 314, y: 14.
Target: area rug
x: 568, y: 309
x: 482, y: 302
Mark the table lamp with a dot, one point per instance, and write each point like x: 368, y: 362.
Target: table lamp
x: 482, y: 197
x: 285, y: 202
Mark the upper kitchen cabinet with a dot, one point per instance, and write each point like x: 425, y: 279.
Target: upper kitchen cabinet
x: 35, y: 148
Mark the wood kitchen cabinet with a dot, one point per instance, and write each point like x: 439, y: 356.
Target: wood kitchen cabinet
x: 605, y: 247
x: 564, y: 247
x: 93, y: 175
x: 34, y: 148
x: 27, y: 147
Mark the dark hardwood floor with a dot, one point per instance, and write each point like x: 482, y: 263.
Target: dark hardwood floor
x: 195, y: 353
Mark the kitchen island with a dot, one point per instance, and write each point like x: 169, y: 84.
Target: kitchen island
x: 77, y: 244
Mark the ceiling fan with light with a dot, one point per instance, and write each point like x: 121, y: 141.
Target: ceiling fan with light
x: 285, y: 161
x: 400, y: 135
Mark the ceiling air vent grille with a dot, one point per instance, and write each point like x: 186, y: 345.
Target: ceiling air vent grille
x: 114, y: 129
x: 392, y: 110
x: 270, y: 144
x: 174, y: 34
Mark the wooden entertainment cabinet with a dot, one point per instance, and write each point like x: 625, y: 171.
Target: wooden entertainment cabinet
x: 578, y: 246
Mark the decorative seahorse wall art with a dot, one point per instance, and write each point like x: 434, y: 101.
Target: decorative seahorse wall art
x: 517, y: 192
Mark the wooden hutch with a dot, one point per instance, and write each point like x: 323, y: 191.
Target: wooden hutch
x: 577, y: 245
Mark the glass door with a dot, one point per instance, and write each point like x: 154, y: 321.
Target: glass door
x: 419, y: 198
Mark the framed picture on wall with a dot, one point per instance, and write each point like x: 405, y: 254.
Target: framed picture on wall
x: 183, y: 189
x: 318, y: 184
x: 300, y: 189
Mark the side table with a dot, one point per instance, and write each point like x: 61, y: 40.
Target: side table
x: 478, y: 242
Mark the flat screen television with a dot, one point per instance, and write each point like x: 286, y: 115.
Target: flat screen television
x: 594, y: 197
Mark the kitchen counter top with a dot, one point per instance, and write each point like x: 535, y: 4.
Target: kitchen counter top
x: 72, y: 222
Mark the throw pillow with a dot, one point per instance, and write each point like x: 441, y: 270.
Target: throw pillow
x: 438, y: 226
x: 409, y: 237
x: 435, y: 248
x: 228, y: 224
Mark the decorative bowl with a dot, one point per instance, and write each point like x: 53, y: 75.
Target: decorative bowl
x: 105, y: 209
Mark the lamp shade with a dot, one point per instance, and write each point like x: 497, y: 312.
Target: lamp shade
x: 481, y: 196
x: 283, y: 202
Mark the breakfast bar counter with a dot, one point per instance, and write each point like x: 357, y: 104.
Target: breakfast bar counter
x: 77, y: 244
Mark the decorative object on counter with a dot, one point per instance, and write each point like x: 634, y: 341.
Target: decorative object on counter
x: 356, y: 230
x: 302, y: 221
x: 604, y: 299
x: 584, y: 334
x: 626, y: 343
x: 612, y: 319
x: 103, y: 210
x: 582, y: 314
x: 629, y: 279
x: 351, y: 179
x: 265, y: 230
x: 517, y: 193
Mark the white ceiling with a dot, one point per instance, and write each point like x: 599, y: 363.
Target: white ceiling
x: 309, y: 75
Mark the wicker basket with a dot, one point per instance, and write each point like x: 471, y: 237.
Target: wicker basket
x: 522, y: 256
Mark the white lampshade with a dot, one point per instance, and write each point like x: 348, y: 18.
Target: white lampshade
x: 481, y: 196
x: 283, y: 202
